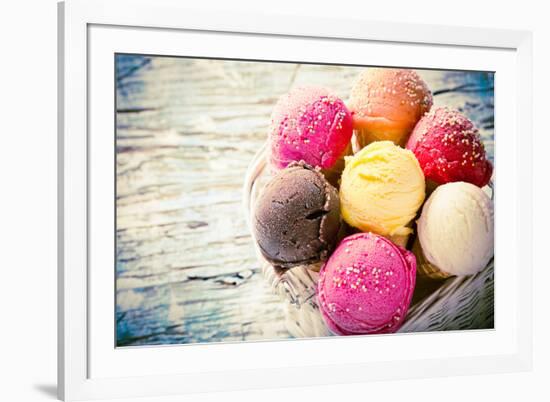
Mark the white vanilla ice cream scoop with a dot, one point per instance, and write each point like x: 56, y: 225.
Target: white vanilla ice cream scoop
x: 456, y: 229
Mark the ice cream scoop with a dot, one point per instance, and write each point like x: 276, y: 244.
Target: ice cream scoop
x: 455, y: 231
x: 366, y: 286
x: 297, y: 217
x: 309, y: 124
x: 387, y: 103
x: 448, y: 147
x: 382, y: 188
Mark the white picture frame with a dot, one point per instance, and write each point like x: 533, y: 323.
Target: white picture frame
x: 89, y: 365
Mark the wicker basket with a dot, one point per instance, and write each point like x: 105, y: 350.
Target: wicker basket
x: 455, y: 303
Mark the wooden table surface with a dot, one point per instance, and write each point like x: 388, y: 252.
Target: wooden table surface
x: 186, y: 132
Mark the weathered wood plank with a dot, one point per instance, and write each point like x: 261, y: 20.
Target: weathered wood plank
x: 186, y: 131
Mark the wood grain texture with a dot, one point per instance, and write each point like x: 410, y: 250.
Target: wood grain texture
x: 186, y: 131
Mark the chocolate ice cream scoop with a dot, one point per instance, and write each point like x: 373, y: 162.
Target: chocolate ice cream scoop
x: 297, y: 217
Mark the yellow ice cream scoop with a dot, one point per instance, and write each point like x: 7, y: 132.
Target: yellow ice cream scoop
x: 382, y: 188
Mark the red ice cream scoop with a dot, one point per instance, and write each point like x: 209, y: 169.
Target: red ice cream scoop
x: 366, y: 286
x: 449, y: 149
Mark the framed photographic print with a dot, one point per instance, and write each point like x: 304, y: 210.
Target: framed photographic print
x: 293, y: 200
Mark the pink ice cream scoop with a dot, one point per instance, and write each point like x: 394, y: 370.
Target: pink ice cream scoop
x: 366, y: 286
x: 449, y: 148
x: 309, y: 124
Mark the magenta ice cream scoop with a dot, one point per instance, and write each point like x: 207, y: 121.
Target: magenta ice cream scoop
x: 366, y: 286
x: 309, y: 124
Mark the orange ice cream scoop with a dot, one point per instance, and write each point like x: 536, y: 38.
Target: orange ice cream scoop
x: 387, y: 103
